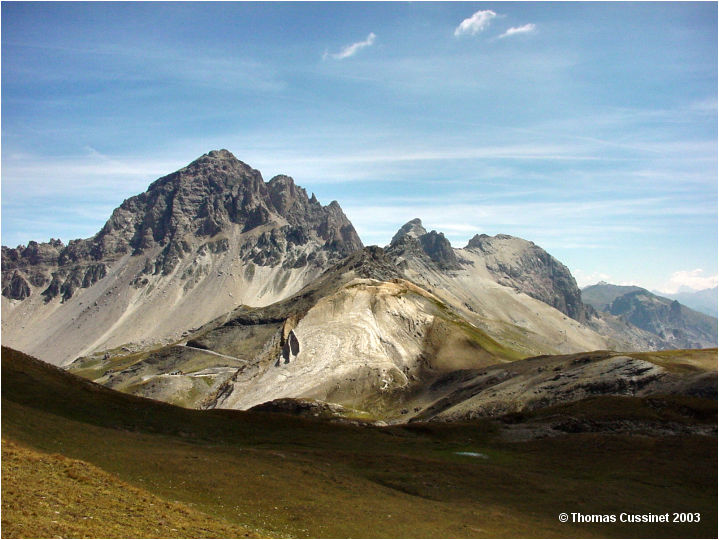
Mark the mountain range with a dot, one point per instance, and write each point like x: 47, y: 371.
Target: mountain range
x: 231, y: 361
x: 215, y: 288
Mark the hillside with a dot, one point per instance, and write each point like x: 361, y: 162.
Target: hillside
x: 277, y: 475
x: 361, y: 336
x: 374, y: 331
x: 601, y: 295
x: 80, y: 500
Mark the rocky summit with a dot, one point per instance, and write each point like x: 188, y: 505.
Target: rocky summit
x: 522, y: 264
x: 413, y: 240
x: 213, y: 229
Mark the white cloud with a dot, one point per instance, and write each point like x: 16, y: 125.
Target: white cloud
x: 689, y: 279
x: 526, y: 29
x: 351, y: 50
x: 476, y: 23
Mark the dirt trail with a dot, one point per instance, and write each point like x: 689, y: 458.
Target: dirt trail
x: 208, y: 351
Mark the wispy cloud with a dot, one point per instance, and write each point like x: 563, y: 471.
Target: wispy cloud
x: 123, y: 65
x: 692, y: 279
x: 92, y: 173
x: 351, y: 50
x: 476, y: 23
x: 514, y: 30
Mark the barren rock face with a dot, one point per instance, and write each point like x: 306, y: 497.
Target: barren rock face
x: 412, y: 229
x: 291, y: 348
x: 177, y: 211
x: 195, y: 244
x: 517, y: 263
x: 16, y: 287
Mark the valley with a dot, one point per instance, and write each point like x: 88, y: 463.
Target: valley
x: 235, y: 473
x: 226, y: 358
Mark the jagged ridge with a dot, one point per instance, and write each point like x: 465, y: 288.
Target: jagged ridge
x: 197, y: 202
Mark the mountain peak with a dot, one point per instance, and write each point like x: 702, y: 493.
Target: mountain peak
x: 281, y: 180
x: 221, y: 154
x: 519, y: 263
x: 413, y: 237
x: 217, y: 155
x: 412, y: 228
x: 216, y: 193
x: 483, y: 241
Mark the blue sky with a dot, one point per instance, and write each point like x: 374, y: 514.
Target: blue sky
x: 588, y: 128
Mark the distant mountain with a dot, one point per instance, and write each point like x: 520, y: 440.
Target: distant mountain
x: 601, y: 295
x: 678, y: 325
x: 518, y: 263
x: 704, y: 301
x: 196, y: 244
x: 483, y: 281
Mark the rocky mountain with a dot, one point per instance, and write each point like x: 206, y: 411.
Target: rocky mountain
x: 491, y: 282
x: 371, y: 334
x: 682, y: 327
x: 196, y: 244
x: 675, y: 324
x: 601, y: 295
x: 413, y: 240
x: 521, y: 264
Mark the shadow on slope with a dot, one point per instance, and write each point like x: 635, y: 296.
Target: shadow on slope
x: 303, y: 478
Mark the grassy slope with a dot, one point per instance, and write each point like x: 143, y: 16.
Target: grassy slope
x: 683, y: 360
x: 50, y: 495
x: 294, y: 477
